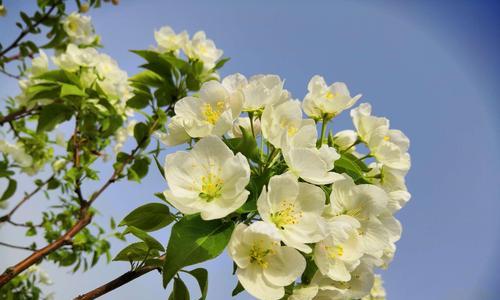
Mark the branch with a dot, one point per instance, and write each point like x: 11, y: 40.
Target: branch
x: 116, y: 283
x: 18, y: 114
x: 5, y: 72
x: 23, y: 33
x: 16, y: 247
x: 7, y: 217
x: 84, y: 219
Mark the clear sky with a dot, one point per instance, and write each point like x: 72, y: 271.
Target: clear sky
x: 430, y: 68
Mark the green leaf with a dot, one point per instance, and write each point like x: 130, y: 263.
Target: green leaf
x: 140, y: 167
x: 149, y: 217
x: 135, y: 252
x: 138, y: 101
x: 246, y: 144
x: 71, y: 90
x: 180, y: 291
x: 140, y: 132
x: 10, y: 190
x: 150, y: 241
x: 192, y: 241
x: 43, y: 91
x: 60, y: 76
x: 51, y: 115
x: 201, y: 275
x: 309, y: 272
x: 221, y: 63
x: 159, y: 166
x: 238, y: 289
x: 149, y: 78
x: 352, y: 166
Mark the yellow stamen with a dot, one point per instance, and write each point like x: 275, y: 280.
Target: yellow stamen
x: 286, y: 215
x: 212, y: 114
x: 258, y: 255
x: 330, y: 96
x: 335, y: 251
x: 211, y: 187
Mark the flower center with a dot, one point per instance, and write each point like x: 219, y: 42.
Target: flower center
x: 387, y: 138
x: 211, y: 187
x: 212, y: 114
x: 286, y: 215
x: 330, y: 96
x: 335, y: 251
x: 258, y: 255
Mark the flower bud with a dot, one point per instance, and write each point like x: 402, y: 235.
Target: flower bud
x: 3, y: 10
x: 84, y: 7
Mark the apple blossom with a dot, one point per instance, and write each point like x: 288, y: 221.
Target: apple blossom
x: 264, y: 267
x: 209, y: 179
x: 79, y: 29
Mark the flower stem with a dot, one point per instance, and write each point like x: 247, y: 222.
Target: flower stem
x: 323, y: 129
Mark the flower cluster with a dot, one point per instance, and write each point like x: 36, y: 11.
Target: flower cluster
x: 199, y: 47
x: 302, y: 199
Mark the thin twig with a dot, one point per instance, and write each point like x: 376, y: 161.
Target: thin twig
x: 16, y: 247
x: 6, y: 73
x: 23, y: 33
x: 7, y: 217
x: 116, y: 283
x: 18, y: 114
x: 84, y: 219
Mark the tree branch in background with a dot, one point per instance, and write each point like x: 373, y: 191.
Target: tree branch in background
x: 23, y: 33
x: 16, y: 247
x: 18, y: 114
x: 84, y: 219
x: 116, y: 283
x: 7, y: 217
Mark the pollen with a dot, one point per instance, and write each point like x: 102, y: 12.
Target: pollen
x: 258, y: 255
x: 387, y: 138
x: 335, y: 251
x: 330, y: 96
x: 286, y: 215
x: 211, y: 187
x: 212, y: 113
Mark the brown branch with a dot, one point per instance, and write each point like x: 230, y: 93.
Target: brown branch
x: 6, y: 73
x: 16, y: 247
x: 7, y: 217
x: 23, y: 33
x: 116, y: 283
x: 18, y: 114
x: 84, y: 219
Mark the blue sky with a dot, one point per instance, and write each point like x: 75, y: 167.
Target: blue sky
x: 431, y: 68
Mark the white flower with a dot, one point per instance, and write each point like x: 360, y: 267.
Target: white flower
x: 113, y: 80
x: 74, y: 58
x: 43, y: 276
x: 345, y: 139
x: 234, y: 84
x: 327, y: 100
x: 280, y: 119
x: 295, y: 209
x: 176, y: 134
x: 359, y: 286
x: 79, y: 29
x: 264, y: 267
x: 168, y: 40
x: 377, y: 292
x: 17, y: 153
x: 40, y: 64
x: 340, y: 253
x: 305, y: 160
x: 365, y: 203
x: 245, y: 123
x: 304, y: 292
x: 211, y: 113
x: 263, y: 90
x: 389, y: 147
x: 209, y: 179
x: 203, y: 49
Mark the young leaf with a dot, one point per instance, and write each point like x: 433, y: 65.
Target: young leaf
x: 349, y: 164
x: 238, y: 289
x: 159, y: 166
x: 201, y: 275
x: 10, y: 190
x: 180, y: 291
x: 140, y: 132
x: 51, y: 115
x: 149, y: 217
x: 150, y: 241
x: 71, y: 90
x: 135, y: 252
x: 192, y: 241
